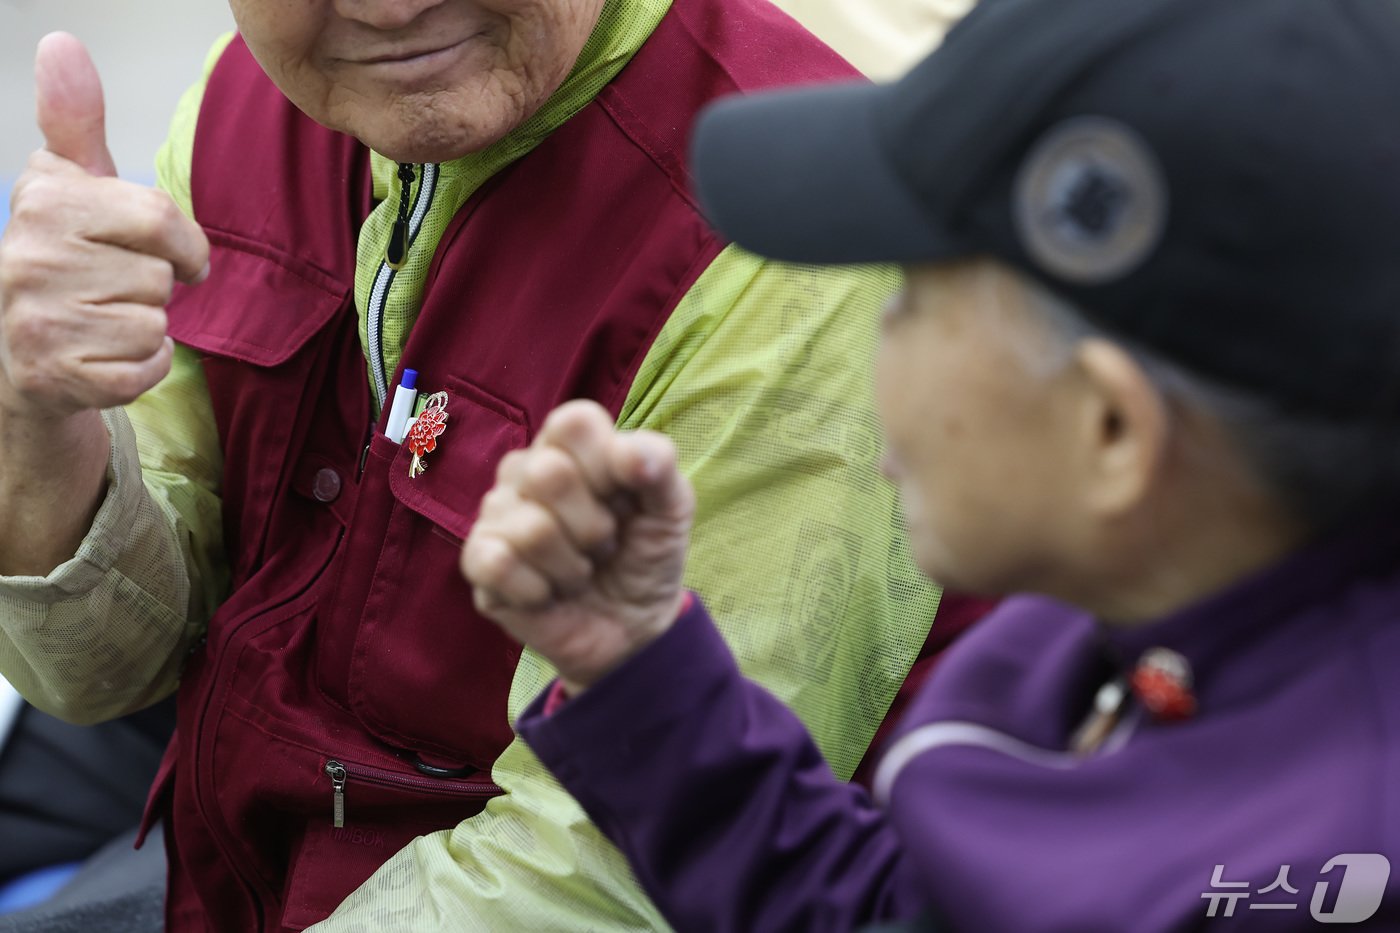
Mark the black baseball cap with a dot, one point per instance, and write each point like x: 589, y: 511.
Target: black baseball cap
x: 1218, y: 180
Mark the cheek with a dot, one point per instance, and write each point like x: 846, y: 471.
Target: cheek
x: 546, y: 38
x: 285, y: 46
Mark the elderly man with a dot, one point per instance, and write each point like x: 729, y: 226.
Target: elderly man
x: 1143, y: 372
x: 482, y: 209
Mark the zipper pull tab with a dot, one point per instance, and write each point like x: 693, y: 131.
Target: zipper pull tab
x: 364, y: 454
x: 397, y: 253
x: 336, y: 771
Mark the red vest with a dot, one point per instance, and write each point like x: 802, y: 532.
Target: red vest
x: 349, y: 635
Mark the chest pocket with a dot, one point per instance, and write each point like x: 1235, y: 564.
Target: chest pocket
x: 268, y: 327
x: 421, y: 669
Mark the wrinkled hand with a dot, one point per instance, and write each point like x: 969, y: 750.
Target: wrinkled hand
x: 88, y: 262
x: 579, y: 548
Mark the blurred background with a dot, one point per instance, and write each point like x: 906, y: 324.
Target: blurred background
x: 147, y: 51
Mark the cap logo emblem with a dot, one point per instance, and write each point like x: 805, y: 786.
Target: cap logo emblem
x: 1090, y: 204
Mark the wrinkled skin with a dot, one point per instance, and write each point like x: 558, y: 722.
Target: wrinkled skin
x: 418, y: 80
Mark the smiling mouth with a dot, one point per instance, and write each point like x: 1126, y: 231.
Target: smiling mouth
x: 410, y: 55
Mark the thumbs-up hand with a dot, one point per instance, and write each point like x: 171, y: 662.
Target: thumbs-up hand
x: 87, y: 262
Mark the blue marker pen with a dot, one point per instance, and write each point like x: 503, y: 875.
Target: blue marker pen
x: 402, y: 408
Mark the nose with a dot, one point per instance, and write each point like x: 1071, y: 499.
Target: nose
x: 384, y: 14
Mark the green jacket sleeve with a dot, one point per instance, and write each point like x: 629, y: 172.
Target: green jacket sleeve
x: 106, y: 632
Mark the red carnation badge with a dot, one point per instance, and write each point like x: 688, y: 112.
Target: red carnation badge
x: 1162, y: 683
x: 426, y: 429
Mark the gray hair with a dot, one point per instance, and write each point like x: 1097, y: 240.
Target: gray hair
x: 1323, y: 471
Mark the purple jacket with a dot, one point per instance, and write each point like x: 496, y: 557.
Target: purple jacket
x: 732, y: 821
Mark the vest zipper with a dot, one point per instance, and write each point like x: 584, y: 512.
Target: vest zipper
x: 412, y: 211
x: 340, y: 775
x: 336, y: 771
x: 397, y: 250
x: 205, y: 726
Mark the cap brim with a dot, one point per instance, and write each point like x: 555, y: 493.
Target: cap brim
x: 799, y: 175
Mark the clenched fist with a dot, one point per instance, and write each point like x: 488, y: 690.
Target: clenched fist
x: 580, y: 547
x: 88, y: 262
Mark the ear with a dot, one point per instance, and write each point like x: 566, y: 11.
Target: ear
x: 1124, y: 425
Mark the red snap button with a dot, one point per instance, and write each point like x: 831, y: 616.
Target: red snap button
x: 326, y: 486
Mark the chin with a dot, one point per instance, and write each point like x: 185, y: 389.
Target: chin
x: 940, y: 565
x: 426, y: 147
x: 429, y: 131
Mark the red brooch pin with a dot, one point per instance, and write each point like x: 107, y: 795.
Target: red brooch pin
x: 1162, y: 683
x: 424, y: 432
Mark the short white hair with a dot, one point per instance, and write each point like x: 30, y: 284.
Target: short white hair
x: 1324, y: 471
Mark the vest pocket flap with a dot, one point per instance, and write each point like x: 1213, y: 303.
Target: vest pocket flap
x: 478, y: 432
x: 231, y: 313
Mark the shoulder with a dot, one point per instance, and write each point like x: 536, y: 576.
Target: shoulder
x: 176, y: 155
x: 1012, y: 669
x: 703, y: 50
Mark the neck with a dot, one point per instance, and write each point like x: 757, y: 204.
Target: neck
x: 1184, y: 552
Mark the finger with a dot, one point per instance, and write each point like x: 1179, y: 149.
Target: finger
x: 69, y: 105
x: 55, y: 196
x: 145, y: 281
x: 536, y: 537
x: 511, y: 468
x: 552, y: 478
x: 506, y: 581
x: 102, y: 383
x: 102, y: 275
x: 125, y: 380
x: 118, y: 332
x: 112, y: 331
x: 147, y: 221
x: 583, y: 430
x: 645, y: 464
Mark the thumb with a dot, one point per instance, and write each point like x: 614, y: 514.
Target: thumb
x: 69, y: 104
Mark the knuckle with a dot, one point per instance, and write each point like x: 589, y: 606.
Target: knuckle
x: 149, y: 219
x: 496, y: 564
x: 159, y: 281
x: 26, y: 333
x: 536, y: 533
x: 483, y: 601
x: 34, y: 175
x: 158, y: 325
x: 202, y: 248
x: 30, y: 263
x: 42, y: 163
x: 509, y: 466
x: 31, y: 380
x: 30, y: 203
x: 14, y: 271
x: 126, y: 385
x: 173, y: 223
x: 41, y: 199
x: 495, y: 503
x: 484, y: 558
x: 548, y: 474
x: 570, y: 423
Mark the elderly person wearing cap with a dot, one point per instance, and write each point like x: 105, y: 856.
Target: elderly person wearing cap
x: 1144, y: 368
x: 472, y: 211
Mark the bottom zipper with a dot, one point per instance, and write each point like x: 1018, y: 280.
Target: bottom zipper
x: 340, y: 775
